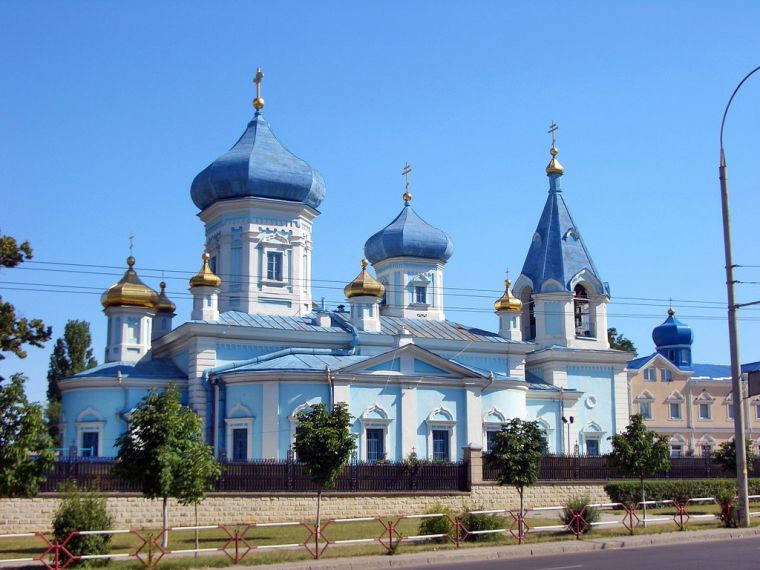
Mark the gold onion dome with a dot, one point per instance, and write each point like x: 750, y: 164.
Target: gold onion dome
x: 508, y: 302
x: 164, y: 304
x: 364, y: 285
x: 554, y: 167
x: 129, y: 291
x: 205, y: 277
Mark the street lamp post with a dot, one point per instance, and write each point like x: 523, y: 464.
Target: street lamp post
x: 733, y: 331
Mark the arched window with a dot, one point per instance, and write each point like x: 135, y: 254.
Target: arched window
x: 584, y: 325
x: 529, y: 314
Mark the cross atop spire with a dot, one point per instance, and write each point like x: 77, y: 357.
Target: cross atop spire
x: 258, y: 102
x: 405, y: 172
x: 131, y: 243
x: 553, y: 130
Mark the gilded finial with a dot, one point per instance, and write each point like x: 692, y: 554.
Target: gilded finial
x: 508, y: 302
x: 205, y: 277
x: 258, y: 102
x: 131, y: 261
x: 671, y: 310
x: 405, y: 172
x: 365, y: 263
x: 554, y: 166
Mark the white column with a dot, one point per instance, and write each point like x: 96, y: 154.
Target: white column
x: 474, y: 433
x: 408, y: 420
x: 270, y: 415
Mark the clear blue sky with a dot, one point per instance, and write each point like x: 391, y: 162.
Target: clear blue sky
x: 109, y: 110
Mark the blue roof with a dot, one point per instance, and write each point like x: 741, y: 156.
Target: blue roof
x: 419, y: 328
x: 557, y: 250
x: 751, y: 367
x: 156, y: 369
x: 298, y: 360
x: 408, y: 235
x: 711, y: 370
x: 258, y: 165
x: 637, y: 363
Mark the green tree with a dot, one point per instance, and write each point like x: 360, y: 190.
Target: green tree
x: 83, y: 510
x: 26, y: 450
x: 324, y: 444
x: 639, y: 453
x: 619, y: 342
x: 516, y: 456
x: 163, y: 451
x: 15, y: 332
x: 72, y: 354
x: 725, y: 455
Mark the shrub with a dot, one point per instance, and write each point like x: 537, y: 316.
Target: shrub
x: 481, y: 521
x: 82, y: 510
x: 629, y: 492
x: 437, y: 525
x: 581, y: 505
x: 726, y: 500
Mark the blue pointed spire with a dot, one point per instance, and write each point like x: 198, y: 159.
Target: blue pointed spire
x: 558, y: 251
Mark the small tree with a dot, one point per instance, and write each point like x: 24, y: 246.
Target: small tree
x: 163, y: 450
x: 72, y: 354
x: 82, y: 510
x: 639, y: 453
x: 725, y: 455
x: 619, y: 342
x: 324, y: 444
x: 26, y: 450
x: 516, y: 456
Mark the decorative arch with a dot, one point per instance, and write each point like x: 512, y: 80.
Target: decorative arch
x: 678, y: 445
x: 551, y: 286
x: 90, y: 426
x: 676, y: 396
x: 492, y: 421
x: 373, y: 438
x: 645, y: 395
x: 293, y: 417
x: 442, y: 435
x: 525, y: 288
x: 592, y: 434
x: 586, y: 278
x: 239, y: 433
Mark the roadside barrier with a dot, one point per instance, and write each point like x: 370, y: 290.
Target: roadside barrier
x: 237, y: 541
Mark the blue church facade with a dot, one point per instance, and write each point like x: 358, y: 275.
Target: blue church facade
x: 257, y: 349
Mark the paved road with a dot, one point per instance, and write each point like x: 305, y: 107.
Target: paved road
x: 738, y: 554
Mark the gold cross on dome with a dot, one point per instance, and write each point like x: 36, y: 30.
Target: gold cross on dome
x: 553, y: 129
x: 405, y: 172
x: 257, y: 81
x: 131, y: 243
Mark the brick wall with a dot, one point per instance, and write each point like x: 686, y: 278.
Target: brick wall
x: 132, y: 511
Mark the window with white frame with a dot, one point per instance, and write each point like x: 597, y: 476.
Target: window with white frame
x: 730, y: 410
x: 419, y: 290
x: 493, y: 419
x: 676, y: 450
x: 239, y: 433
x: 441, y: 437
x: 757, y: 409
x: 420, y: 295
x: 274, y: 266
x: 645, y: 409
x: 373, y: 440
x: 90, y: 425
x: 675, y: 410
x: 704, y: 411
x: 650, y: 374
x: 666, y: 374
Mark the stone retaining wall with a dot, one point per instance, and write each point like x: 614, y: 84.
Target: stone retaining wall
x: 132, y: 511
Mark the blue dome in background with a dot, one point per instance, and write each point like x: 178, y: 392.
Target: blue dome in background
x: 672, y: 332
x: 408, y: 236
x: 258, y: 165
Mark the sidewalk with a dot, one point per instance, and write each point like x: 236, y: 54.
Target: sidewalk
x: 433, y: 558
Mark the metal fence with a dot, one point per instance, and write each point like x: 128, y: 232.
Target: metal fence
x: 278, y: 476
x: 555, y: 467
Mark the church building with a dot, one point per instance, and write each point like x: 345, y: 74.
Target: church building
x: 258, y: 348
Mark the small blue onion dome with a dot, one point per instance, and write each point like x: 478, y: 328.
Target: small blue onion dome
x: 409, y: 236
x: 672, y: 332
x: 258, y: 165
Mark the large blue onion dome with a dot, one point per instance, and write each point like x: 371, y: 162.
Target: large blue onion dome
x: 258, y: 165
x: 672, y: 332
x: 409, y: 236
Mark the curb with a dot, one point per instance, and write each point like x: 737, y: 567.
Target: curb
x: 433, y: 558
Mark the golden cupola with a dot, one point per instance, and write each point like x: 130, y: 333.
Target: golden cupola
x: 364, y: 285
x: 205, y: 277
x: 129, y: 291
x: 554, y: 166
x: 508, y: 302
x: 164, y: 304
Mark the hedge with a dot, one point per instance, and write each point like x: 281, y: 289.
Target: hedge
x: 629, y: 492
